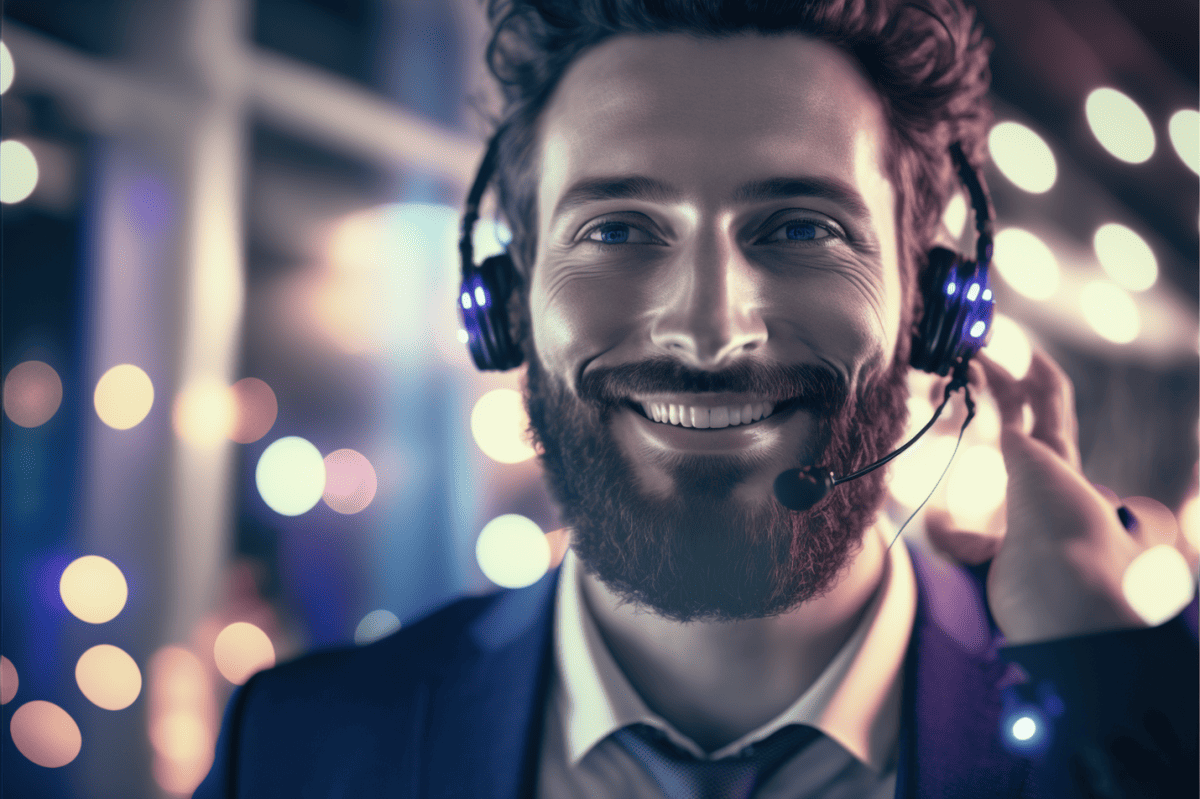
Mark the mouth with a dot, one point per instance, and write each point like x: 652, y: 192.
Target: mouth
x: 708, y: 416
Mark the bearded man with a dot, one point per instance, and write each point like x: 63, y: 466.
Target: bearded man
x: 721, y: 212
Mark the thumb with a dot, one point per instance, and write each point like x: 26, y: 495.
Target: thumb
x: 964, y: 546
x: 1046, y: 493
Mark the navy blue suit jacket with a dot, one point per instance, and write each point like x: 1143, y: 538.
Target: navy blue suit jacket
x: 452, y: 706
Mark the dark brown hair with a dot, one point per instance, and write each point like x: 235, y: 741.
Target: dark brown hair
x: 927, y: 59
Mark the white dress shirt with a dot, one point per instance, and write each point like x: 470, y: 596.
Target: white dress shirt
x: 855, y: 702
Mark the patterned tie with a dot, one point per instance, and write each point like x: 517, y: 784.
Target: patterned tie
x: 682, y: 776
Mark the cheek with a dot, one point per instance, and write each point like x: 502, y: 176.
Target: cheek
x: 841, y: 317
x: 576, y: 318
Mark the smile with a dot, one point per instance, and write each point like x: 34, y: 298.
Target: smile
x: 701, y: 417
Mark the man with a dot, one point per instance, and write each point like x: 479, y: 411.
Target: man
x: 720, y: 211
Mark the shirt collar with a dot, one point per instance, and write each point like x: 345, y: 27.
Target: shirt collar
x: 855, y: 700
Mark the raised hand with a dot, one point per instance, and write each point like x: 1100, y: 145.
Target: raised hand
x: 1062, y: 568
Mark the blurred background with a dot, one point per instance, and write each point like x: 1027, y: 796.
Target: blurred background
x: 239, y: 423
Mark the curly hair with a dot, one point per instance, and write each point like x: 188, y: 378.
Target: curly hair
x: 927, y: 59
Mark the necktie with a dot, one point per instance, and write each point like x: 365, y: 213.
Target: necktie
x: 682, y: 776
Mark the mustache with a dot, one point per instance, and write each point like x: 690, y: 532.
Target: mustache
x: 813, y: 386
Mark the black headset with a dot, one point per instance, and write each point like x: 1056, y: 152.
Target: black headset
x: 958, y: 304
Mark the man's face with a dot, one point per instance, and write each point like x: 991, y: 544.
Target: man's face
x: 715, y: 299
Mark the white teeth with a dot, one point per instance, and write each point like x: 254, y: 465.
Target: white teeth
x: 703, y: 418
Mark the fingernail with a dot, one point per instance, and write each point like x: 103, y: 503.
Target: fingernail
x: 1128, y: 520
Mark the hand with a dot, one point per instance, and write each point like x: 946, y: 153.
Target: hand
x: 1058, y: 570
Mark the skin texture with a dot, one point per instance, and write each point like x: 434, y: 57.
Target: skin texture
x: 708, y: 277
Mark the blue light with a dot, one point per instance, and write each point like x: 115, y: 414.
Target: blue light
x: 973, y: 292
x: 480, y: 297
x: 951, y: 287
x: 978, y: 328
x: 466, y: 301
x: 1025, y: 730
x: 987, y: 294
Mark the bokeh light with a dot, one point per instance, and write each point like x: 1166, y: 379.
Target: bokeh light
x: 93, y: 589
x: 350, y: 481
x: 915, y: 473
x: 18, y: 171
x: 1026, y: 263
x: 1023, y: 156
x: 290, y: 476
x: 1125, y: 256
x: 204, y: 413
x: 986, y: 424
x: 955, y: 215
x: 177, y: 679
x: 1184, y: 130
x: 181, y: 719
x: 1010, y: 346
x: 124, y: 395
x: 1158, y: 584
x: 8, y: 70
x: 975, y: 486
x: 8, y: 680
x: 45, y: 733
x: 1189, y: 520
x: 241, y: 650
x: 255, y: 409
x: 919, y: 411
x: 1110, y: 311
x: 32, y: 393
x: 108, y: 677
x: 1024, y: 728
x: 499, y: 424
x: 376, y: 625
x: 1120, y: 125
x: 180, y: 738
x: 512, y: 551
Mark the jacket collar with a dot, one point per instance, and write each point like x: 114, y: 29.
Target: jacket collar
x: 487, y: 710
x: 951, y: 739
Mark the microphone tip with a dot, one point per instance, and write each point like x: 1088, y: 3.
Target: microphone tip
x: 800, y: 489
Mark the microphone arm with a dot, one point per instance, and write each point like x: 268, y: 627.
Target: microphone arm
x: 800, y: 489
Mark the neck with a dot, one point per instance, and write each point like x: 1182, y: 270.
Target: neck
x: 717, y: 681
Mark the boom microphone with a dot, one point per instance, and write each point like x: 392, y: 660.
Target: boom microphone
x: 800, y: 489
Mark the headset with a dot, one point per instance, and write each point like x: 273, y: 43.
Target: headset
x: 958, y: 303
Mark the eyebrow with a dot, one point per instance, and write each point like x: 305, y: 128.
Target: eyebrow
x: 636, y: 187
x: 640, y: 187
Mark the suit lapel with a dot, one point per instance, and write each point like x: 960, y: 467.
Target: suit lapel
x: 951, y: 744
x: 485, y: 715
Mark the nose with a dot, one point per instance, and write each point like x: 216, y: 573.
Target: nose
x: 711, y: 306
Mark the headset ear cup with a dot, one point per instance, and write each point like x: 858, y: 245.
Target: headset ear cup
x: 497, y: 277
x: 941, y: 299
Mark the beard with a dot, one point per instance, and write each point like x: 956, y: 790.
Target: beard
x: 703, y: 554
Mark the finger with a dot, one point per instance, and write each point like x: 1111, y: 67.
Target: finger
x: 1005, y: 389
x: 1052, y: 400
x: 964, y: 546
x: 1152, y: 522
x: 1109, y: 494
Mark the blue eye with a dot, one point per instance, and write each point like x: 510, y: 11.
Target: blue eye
x: 801, y: 231
x: 618, y: 233
x: 613, y: 234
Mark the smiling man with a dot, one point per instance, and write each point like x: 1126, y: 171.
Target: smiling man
x: 721, y: 212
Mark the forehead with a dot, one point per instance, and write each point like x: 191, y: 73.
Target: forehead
x: 708, y: 114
